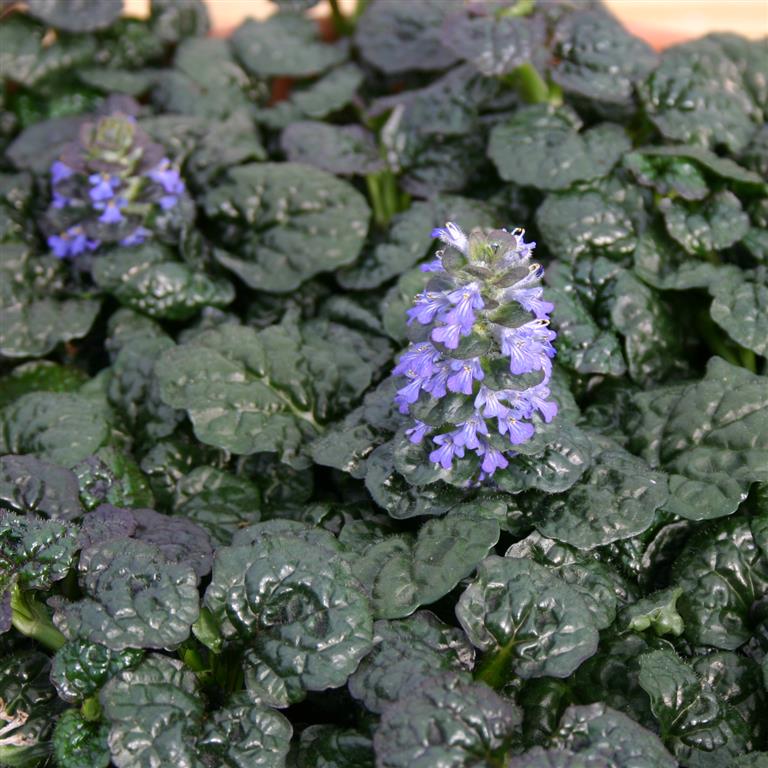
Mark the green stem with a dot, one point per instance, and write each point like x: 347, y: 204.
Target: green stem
x: 340, y: 22
x: 377, y: 201
x: 31, y: 618
x: 748, y: 359
x: 192, y: 659
x: 492, y: 670
x: 529, y: 84
x: 711, y: 334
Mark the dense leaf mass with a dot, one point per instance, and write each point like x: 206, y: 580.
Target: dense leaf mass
x: 268, y: 300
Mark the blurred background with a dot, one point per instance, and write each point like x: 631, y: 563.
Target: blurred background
x: 660, y: 22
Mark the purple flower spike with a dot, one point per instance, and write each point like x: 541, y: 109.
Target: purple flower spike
x: 466, y: 373
x: 470, y: 302
x: 59, y: 172
x: 443, y: 455
x: 452, y: 235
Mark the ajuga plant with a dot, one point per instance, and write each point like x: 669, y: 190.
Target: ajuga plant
x: 111, y: 186
x: 481, y: 355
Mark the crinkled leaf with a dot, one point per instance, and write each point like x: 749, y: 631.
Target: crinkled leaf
x: 448, y: 721
x: 602, y: 589
x: 62, y: 428
x: 398, y: 37
x: 33, y: 486
x: 529, y: 622
x: 598, y: 61
x: 282, y: 223
x: 541, y: 147
x: 716, y: 224
x: 76, y: 15
x: 154, y: 712
x: 147, y: 280
x: 723, y: 575
x: 406, y: 652
x: 715, y: 442
x: 606, y: 733
x: 297, y: 607
x: 80, y: 743
x: 697, y: 725
x: 81, y: 668
x: 401, y: 574
x: 696, y: 95
x: 616, y: 499
x: 245, y: 735
x: 494, y: 46
x: 34, y: 328
x: 285, y: 44
x: 740, y: 307
x: 248, y: 391
x: 135, y: 598
x: 342, y: 150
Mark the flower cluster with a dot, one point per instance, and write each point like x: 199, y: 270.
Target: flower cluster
x: 480, y: 361
x: 110, y: 186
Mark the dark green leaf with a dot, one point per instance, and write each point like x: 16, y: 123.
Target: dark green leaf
x: 60, y: 427
x: 300, y: 610
x: 697, y: 725
x: 148, y: 280
x: 34, y: 328
x: 722, y: 574
x: 598, y: 61
x: 698, y: 96
x: 602, y: 589
x: 284, y: 223
x: 574, y: 224
x: 285, y: 44
x: 155, y: 713
x: 494, y: 46
x: 541, y: 147
x: 740, y: 307
x: 135, y: 598
x: 715, y: 442
x: 76, y: 15
x: 405, y: 653
x: 398, y: 37
x: 324, y: 746
x: 605, y: 733
x: 616, y: 499
x: 529, y: 622
x: 33, y: 486
x: 446, y: 721
x: 36, y: 376
x: 245, y: 734
x: 716, y: 224
x: 80, y: 743
x: 81, y: 668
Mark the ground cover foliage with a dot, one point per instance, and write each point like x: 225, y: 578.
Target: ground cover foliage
x: 218, y: 548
